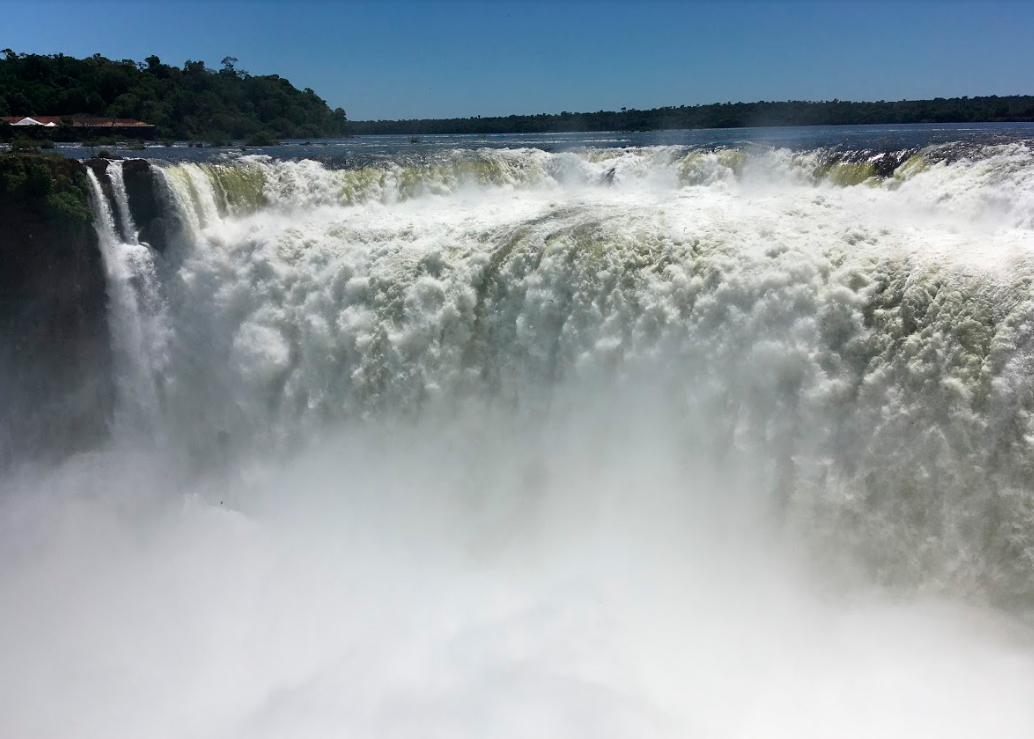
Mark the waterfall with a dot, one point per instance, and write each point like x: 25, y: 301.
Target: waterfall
x: 136, y: 315
x: 864, y: 341
x: 655, y: 441
x: 118, y: 188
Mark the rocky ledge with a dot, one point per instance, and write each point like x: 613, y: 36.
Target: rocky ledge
x: 55, y: 359
x: 142, y: 194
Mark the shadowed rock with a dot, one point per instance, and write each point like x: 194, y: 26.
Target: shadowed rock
x: 144, y: 204
x: 55, y: 379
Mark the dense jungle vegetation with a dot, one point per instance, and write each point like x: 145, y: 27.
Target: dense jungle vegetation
x: 192, y: 102
x: 198, y: 103
x: 728, y: 115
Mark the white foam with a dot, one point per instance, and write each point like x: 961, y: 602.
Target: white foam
x: 502, y: 444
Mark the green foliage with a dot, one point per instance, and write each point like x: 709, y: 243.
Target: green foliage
x: 262, y: 138
x: 217, y: 139
x: 24, y: 144
x: 50, y: 185
x: 68, y: 207
x: 102, y: 141
x: 191, y: 103
x: 12, y: 179
x: 39, y: 181
x: 726, y: 115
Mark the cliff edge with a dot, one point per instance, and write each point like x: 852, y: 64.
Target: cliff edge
x: 55, y: 359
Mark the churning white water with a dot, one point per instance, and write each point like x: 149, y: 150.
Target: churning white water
x: 628, y: 443
x: 136, y: 309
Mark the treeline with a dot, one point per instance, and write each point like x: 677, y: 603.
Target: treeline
x: 194, y: 102
x: 727, y: 115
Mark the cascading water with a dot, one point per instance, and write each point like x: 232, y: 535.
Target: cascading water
x: 847, y: 334
x: 136, y: 312
x: 118, y: 189
x: 639, y: 442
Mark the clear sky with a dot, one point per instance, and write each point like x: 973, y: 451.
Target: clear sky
x: 428, y: 59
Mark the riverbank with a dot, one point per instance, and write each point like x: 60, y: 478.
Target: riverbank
x: 988, y: 109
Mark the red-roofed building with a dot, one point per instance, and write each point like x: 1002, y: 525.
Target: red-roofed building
x: 93, y: 125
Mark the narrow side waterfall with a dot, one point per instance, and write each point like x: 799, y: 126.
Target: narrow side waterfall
x: 118, y: 188
x: 136, y: 314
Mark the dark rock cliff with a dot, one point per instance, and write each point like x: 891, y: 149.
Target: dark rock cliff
x: 56, y: 386
x: 142, y: 192
x: 152, y: 225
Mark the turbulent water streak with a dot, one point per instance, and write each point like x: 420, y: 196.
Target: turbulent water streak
x: 642, y: 442
x: 136, y: 313
x: 118, y: 188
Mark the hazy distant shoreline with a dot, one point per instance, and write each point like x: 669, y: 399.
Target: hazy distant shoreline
x: 988, y: 109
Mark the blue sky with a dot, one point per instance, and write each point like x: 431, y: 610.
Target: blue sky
x: 423, y: 58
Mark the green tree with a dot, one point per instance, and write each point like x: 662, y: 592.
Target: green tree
x: 188, y: 102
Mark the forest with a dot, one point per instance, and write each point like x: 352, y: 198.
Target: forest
x: 727, y: 115
x: 198, y: 103
x: 189, y: 103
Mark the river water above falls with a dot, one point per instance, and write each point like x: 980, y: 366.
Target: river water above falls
x: 594, y: 440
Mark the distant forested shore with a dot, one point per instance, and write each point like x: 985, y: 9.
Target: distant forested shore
x: 197, y: 103
x: 189, y: 103
x: 990, y: 109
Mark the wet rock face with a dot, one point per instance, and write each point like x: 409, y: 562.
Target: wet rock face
x: 55, y: 380
x: 100, y: 169
x: 141, y: 190
x: 142, y: 194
